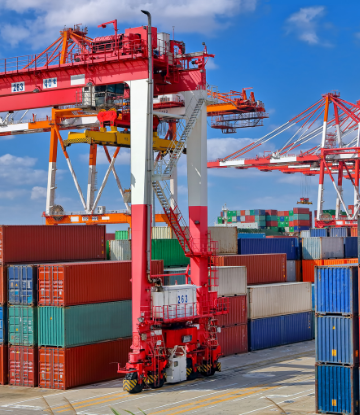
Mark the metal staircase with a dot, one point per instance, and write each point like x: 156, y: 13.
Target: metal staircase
x: 163, y: 168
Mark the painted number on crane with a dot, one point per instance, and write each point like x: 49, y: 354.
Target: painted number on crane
x: 18, y: 87
x: 50, y: 83
x: 182, y: 299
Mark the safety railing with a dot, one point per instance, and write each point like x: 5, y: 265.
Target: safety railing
x: 175, y: 312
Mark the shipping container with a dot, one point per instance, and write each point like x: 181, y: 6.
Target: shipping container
x: 226, y: 238
x: 261, y: 269
x: 42, y: 243
x: 175, y: 279
x: 354, y: 232
x: 3, y: 324
x: 337, y: 389
x: 308, y: 268
x: 336, y: 290
x: 322, y: 248
x: 66, y: 368
x: 337, y: 340
x: 23, y: 366
x: 271, y: 212
x: 343, y: 261
x: 268, y: 246
x: 313, y: 296
x: 300, y: 210
x: 231, y: 281
x: 313, y: 325
x: 339, y: 232
x: 298, y: 271
x: 109, y: 236
x: 162, y: 232
x: 275, y: 331
x: 84, y: 324
x: 233, y: 339
x: 22, y: 284
x: 121, y: 235
x: 351, y: 247
x: 3, y: 364
x: 23, y: 324
x: 84, y: 282
x: 278, y: 299
x: 120, y: 250
x: 317, y: 232
x: 291, y: 271
x: 237, y: 312
x: 3, y: 284
x: 250, y: 236
x: 170, y: 251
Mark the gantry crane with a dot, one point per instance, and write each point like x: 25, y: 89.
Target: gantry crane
x: 174, y: 328
x: 334, y: 156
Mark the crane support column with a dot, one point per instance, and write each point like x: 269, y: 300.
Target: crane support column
x: 91, y: 178
x: 50, y: 193
x: 321, y: 189
x: 357, y: 167
x: 174, y: 176
x: 326, y: 112
x: 340, y: 179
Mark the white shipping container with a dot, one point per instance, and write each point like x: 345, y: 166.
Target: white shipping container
x: 247, y: 212
x: 233, y: 218
x: 323, y: 248
x: 226, y: 239
x: 248, y: 225
x: 232, y: 281
x: 120, y: 250
x: 242, y: 218
x: 162, y: 232
x: 305, y: 234
x: 279, y: 299
x: 174, y: 301
x: 291, y: 271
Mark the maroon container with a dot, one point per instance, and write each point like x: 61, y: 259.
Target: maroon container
x: 233, y: 339
x: 32, y: 243
x: 237, y: 312
x: 110, y: 236
x: 261, y: 269
x: 272, y: 223
x: 4, y: 364
x: 3, y: 284
x: 157, y: 266
x: 301, y: 210
x: 23, y: 366
x: 271, y: 212
x: 66, y: 368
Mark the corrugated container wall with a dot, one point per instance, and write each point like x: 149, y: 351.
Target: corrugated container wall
x: 84, y: 282
x: 269, y: 246
x: 170, y: 251
x: 342, y: 398
x: 3, y: 324
x: 3, y: 364
x: 279, y: 299
x: 308, y: 268
x: 351, y: 247
x: 121, y: 235
x: 336, y: 290
x: 250, y: 236
x: 226, y: 238
x: 84, y: 324
x: 232, y: 281
x: 261, y: 269
x: 339, y: 232
x: 120, y: 250
x: 291, y: 271
x: 275, y: 331
x: 237, y: 312
x: 337, y: 340
x: 35, y: 243
x: 322, y: 248
x: 3, y: 284
x: 22, y: 282
x: 162, y: 232
x: 67, y: 368
x: 305, y: 234
x: 23, y: 325
x: 233, y: 340
x: 317, y: 232
x: 23, y: 366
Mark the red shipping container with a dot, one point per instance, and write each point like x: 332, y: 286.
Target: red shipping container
x: 300, y: 210
x: 23, y: 366
x: 4, y: 364
x: 291, y: 224
x: 308, y: 268
x: 310, y: 219
x: 109, y: 236
x: 271, y: 223
x: 36, y: 243
x: 298, y: 271
x: 301, y: 223
x: 237, y: 312
x: 66, y: 368
x: 249, y: 219
x: 3, y: 284
x: 242, y: 212
x: 233, y: 339
x: 281, y: 213
x: 157, y: 267
x: 271, y: 212
x: 261, y: 269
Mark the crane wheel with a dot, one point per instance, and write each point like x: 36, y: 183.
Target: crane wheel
x: 154, y: 381
x: 207, y: 369
x: 190, y: 374
x: 130, y: 383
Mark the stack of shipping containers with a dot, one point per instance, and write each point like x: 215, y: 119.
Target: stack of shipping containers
x: 3, y: 325
x: 337, y: 339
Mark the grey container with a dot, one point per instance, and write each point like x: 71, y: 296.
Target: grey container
x: 291, y: 271
x: 120, y: 250
x: 322, y: 248
x: 84, y: 324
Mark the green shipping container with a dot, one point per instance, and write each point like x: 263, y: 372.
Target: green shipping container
x: 220, y: 220
x: 286, y: 218
x: 23, y: 324
x: 170, y: 251
x: 229, y: 219
x: 281, y: 224
x: 301, y: 216
x: 291, y: 229
x: 252, y: 212
x: 291, y: 213
x: 273, y: 228
x: 271, y: 217
x: 121, y: 235
x: 84, y: 324
x: 107, y: 249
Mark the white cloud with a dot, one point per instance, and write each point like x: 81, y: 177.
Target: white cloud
x: 222, y: 147
x: 38, y: 192
x: 18, y: 171
x: 201, y: 16
x: 305, y: 25
x: 13, y: 194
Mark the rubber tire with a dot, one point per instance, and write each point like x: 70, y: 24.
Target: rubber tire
x: 211, y: 373
x: 138, y: 388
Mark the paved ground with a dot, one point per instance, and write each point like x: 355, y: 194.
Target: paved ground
x: 272, y: 381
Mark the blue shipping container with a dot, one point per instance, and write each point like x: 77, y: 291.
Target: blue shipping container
x: 337, y: 339
x: 237, y: 218
x: 313, y: 296
x: 342, y: 232
x: 264, y: 333
x: 337, y: 389
x: 313, y: 324
x: 314, y: 232
x: 251, y: 235
x: 269, y: 246
x: 351, y: 247
x: 336, y: 290
x: 3, y: 324
x: 22, y: 284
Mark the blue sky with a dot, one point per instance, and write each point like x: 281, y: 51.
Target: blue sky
x: 289, y: 52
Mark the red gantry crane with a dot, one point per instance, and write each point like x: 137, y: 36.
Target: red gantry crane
x: 336, y: 154
x: 116, y: 79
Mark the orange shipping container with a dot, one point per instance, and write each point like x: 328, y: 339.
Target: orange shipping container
x: 298, y: 271
x: 308, y: 268
x: 341, y: 261
x: 354, y: 232
x: 4, y: 365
